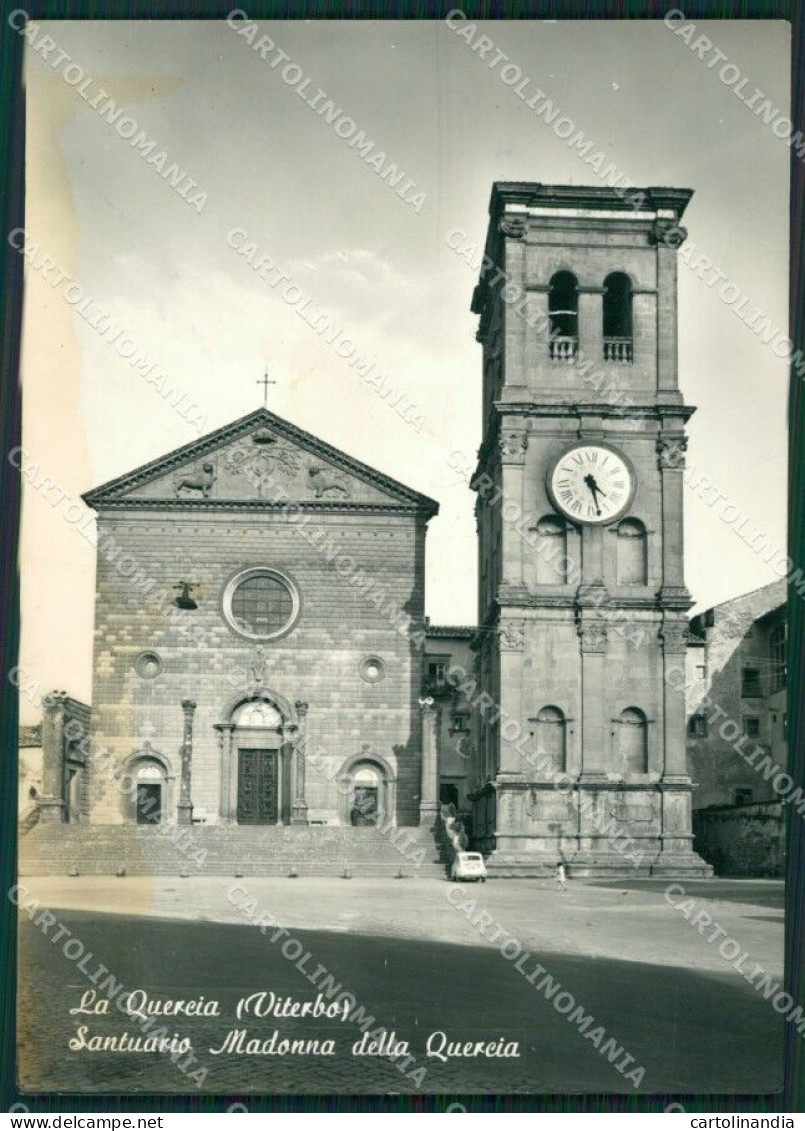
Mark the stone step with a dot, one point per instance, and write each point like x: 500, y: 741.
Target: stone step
x: 58, y: 849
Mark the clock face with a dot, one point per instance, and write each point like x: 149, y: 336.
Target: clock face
x: 591, y: 483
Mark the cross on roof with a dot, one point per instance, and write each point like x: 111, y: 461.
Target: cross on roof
x: 265, y: 383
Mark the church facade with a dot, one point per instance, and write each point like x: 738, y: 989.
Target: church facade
x: 260, y: 670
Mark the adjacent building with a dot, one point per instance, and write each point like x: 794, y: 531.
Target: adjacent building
x: 737, y: 731
x: 737, y: 665
x: 449, y: 661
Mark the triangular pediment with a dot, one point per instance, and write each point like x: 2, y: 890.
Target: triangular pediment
x: 258, y: 460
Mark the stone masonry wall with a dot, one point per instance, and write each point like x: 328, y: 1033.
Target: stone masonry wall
x: 745, y: 840
x: 317, y: 661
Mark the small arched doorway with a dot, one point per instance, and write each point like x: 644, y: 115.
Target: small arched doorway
x: 366, y: 787
x: 149, y: 801
x: 367, y: 791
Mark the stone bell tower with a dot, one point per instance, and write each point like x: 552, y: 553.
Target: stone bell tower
x: 582, y: 599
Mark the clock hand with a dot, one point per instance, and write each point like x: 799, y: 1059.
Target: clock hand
x: 591, y: 482
x: 593, y: 489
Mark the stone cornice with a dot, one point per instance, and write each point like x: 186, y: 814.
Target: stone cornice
x: 598, y: 197
x: 521, y: 784
x: 305, y: 506
x: 658, y: 411
x: 439, y: 631
x: 650, y: 603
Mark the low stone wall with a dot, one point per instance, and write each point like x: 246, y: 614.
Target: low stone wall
x: 741, y: 840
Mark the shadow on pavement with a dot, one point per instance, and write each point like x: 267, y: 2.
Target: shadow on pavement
x: 691, y: 1031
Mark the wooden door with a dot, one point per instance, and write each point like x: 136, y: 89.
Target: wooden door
x: 258, y: 793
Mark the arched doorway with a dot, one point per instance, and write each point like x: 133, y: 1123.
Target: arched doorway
x: 367, y: 789
x: 256, y: 760
x: 448, y: 794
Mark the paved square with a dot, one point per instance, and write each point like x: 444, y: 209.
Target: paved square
x: 413, y: 960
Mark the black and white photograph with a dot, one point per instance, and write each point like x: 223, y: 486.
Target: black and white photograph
x: 403, y: 558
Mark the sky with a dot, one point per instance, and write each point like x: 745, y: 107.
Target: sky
x: 378, y: 266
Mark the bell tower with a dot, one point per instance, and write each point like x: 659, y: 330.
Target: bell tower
x: 582, y: 601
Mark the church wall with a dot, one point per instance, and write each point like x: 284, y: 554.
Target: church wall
x: 317, y: 661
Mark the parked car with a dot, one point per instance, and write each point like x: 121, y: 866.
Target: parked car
x: 468, y: 866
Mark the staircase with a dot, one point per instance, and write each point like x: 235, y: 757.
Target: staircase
x: 28, y: 820
x: 231, y: 850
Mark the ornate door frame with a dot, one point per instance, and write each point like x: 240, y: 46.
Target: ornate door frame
x: 280, y: 738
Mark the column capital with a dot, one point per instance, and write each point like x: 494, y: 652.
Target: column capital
x: 671, y: 452
x: 513, y: 446
x: 55, y: 701
x: 667, y: 233
x: 674, y: 638
x: 513, y: 227
x: 511, y: 635
x: 593, y: 636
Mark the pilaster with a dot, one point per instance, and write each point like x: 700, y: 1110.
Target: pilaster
x: 225, y: 731
x: 671, y: 462
x: 513, y: 444
x: 593, y: 645
x: 674, y: 644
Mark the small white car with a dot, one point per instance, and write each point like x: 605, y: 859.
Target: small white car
x: 468, y: 866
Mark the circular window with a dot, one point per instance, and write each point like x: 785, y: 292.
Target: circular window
x: 148, y: 665
x: 261, y: 603
x: 372, y: 669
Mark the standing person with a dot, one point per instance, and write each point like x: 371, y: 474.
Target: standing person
x: 561, y: 878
